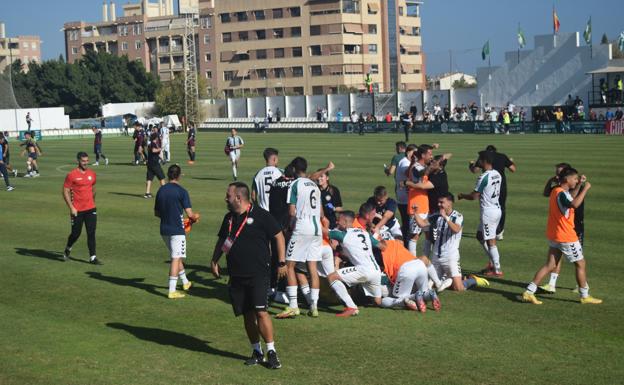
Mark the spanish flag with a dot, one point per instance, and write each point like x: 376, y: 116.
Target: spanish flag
x: 556, y: 23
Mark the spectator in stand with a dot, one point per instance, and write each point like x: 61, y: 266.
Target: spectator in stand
x: 619, y: 115
x: 604, y: 89
x: 580, y: 110
x: 506, y: 121
x: 388, y: 117
x: 437, y: 112
x: 559, y: 118
x: 592, y: 115
x: 319, y: 114
x: 339, y: 115
x: 493, y: 117
x: 324, y: 115
x: 474, y: 110
x: 256, y: 122
x: 609, y: 115
x: 269, y: 116
x: 361, y: 122
x: 278, y: 115
x: 447, y: 113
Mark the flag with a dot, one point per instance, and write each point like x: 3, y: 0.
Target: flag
x: 587, y: 33
x: 621, y: 42
x: 556, y: 23
x: 485, y: 52
x: 521, y: 39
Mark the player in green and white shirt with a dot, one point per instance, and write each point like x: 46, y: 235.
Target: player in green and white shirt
x: 235, y: 143
x: 261, y: 186
x: 487, y: 190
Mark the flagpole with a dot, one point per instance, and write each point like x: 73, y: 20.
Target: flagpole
x: 518, y: 43
x: 554, y: 28
x: 591, y: 40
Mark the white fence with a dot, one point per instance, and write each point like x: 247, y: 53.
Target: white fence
x: 14, y: 120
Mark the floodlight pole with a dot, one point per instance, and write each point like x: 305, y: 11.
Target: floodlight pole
x: 191, y: 87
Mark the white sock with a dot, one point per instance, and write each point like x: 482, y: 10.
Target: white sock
x: 411, y: 246
x: 584, y: 291
x: 291, y: 291
x: 427, y: 247
x: 92, y: 258
x: 433, y: 274
x: 553, y: 279
x: 532, y: 288
x: 182, y: 276
x: 305, y: 290
x: 314, y: 296
x: 257, y: 347
x: 495, y: 258
x: 389, y: 302
x: 234, y: 171
x: 173, y: 281
x: 341, y: 291
x: 271, y: 346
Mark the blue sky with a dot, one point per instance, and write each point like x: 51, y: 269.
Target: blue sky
x: 459, y: 25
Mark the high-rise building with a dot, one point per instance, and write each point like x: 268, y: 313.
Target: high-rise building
x: 268, y: 47
x: 23, y: 48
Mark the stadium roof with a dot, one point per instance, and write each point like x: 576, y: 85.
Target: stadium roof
x: 607, y: 70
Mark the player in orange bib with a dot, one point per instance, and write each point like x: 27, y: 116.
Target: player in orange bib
x: 418, y: 184
x: 562, y: 238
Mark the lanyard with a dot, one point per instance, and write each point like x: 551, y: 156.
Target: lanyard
x: 240, y: 228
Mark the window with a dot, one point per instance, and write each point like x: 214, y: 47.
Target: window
x: 413, y: 9
x: 228, y: 75
x: 315, y: 30
x: 74, y: 50
x: 295, y: 32
x: 317, y: 90
x: 226, y: 37
x: 123, y: 30
x: 25, y: 45
x: 294, y: 11
x: 372, y: 29
x: 298, y: 90
x: 415, y: 31
x: 316, y: 70
x: 136, y: 29
x: 374, y: 68
x: 279, y: 72
x: 243, y: 36
x: 351, y: 6
x: 124, y: 45
x: 400, y: 11
x: 206, y: 39
x: 297, y: 52
x: 207, y: 57
x: 208, y: 74
x: 260, y: 34
x: 278, y: 53
x: 138, y: 44
x: 278, y: 13
x: 261, y: 54
x: 315, y: 50
x: 259, y: 15
x: 72, y: 35
x: 225, y: 17
x: 372, y: 48
x: 261, y: 73
x: 33, y: 46
x: 297, y: 72
x: 205, y: 22
x: 241, y: 16
x: 351, y: 49
x: 278, y: 33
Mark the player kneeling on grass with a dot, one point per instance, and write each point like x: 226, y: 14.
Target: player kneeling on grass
x: 446, y: 232
x: 172, y: 201
x: 562, y: 238
x: 357, y: 246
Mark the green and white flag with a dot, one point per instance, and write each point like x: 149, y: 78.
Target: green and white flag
x: 521, y: 39
x: 587, y: 33
x: 485, y: 52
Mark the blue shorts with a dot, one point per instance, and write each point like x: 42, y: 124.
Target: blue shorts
x: 97, y: 148
x: 32, y: 155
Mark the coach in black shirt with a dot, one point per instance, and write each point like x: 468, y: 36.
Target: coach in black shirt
x: 245, y: 235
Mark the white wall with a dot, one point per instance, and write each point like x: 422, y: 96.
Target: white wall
x: 43, y: 119
x: 141, y: 109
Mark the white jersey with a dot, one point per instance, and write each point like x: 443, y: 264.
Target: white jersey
x: 445, y: 242
x: 357, y: 245
x: 164, y: 134
x: 233, y: 141
x: 262, y: 184
x: 306, y: 196
x: 400, y: 176
x: 489, y: 184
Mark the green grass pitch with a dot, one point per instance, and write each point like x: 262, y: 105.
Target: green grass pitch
x: 73, y: 323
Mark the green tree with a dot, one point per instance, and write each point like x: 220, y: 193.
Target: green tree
x: 605, y: 39
x: 170, y: 96
x: 462, y: 83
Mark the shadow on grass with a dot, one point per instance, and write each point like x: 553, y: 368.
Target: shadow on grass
x: 132, y: 282
x: 206, y: 178
x: 126, y: 194
x: 45, y: 254
x: 125, y: 164
x: 517, y: 295
x: 175, y: 339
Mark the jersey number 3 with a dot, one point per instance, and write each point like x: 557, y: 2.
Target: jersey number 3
x: 363, y: 239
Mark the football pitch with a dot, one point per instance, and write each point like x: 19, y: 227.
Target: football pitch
x: 75, y: 323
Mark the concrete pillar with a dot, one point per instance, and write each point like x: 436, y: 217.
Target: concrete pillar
x: 113, y: 12
x: 104, y: 11
x: 106, y: 45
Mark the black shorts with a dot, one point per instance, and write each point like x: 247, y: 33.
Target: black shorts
x: 154, y: 171
x: 249, y: 293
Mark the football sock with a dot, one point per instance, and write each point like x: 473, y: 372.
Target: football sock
x: 433, y: 274
x: 291, y: 291
x: 271, y: 346
x: 469, y: 282
x: 182, y: 275
x: 495, y: 258
x: 532, y: 288
x: 314, y: 296
x: 411, y: 246
x: 193, y: 156
x: 553, y: 279
x: 234, y: 171
x: 92, y: 258
x: 173, y: 281
x: 584, y: 291
x: 427, y: 247
x: 341, y: 291
x: 257, y: 347
x: 305, y: 290
x: 391, y: 302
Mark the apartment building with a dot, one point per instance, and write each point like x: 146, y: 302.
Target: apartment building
x: 24, y: 48
x: 268, y: 47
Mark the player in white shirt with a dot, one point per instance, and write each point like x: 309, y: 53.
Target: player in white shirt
x: 165, y: 143
x: 401, y: 190
x: 261, y: 186
x: 487, y: 191
x: 446, y: 230
x: 235, y: 143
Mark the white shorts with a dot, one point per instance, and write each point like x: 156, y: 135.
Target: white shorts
x: 414, y: 228
x: 395, y: 230
x: 369, y: 279
x: 304, y: 248
x: 176, y: 244
x: 572, y: 251
x: 234, y: 155
x: 489, y: 223
x: 447, y: 266
x: 412, y: 276
x: 326, y: 266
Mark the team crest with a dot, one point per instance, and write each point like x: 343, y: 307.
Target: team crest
x: 250, y: 221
